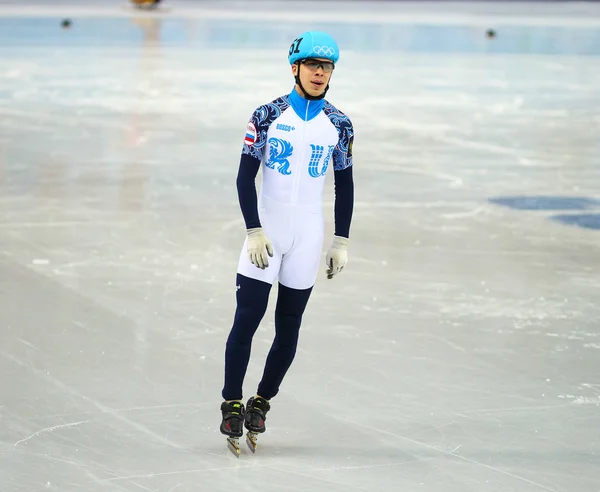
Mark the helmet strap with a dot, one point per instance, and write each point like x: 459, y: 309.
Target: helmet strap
x: 306, y: 94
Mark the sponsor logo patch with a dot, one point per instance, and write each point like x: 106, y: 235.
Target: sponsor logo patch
x: 285, y: 128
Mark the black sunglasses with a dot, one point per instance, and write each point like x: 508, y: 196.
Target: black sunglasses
x: 313, y: 65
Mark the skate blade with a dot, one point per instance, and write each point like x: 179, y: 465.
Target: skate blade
x: 251, y: 440
x: 233, y: 443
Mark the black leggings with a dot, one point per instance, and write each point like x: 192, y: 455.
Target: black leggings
x: 252, y: 299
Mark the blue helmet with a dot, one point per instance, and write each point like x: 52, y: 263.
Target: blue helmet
x: 314, y: 44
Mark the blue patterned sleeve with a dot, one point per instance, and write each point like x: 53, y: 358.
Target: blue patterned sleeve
x: 256, y: 134
x: 342, y: 155
x: 252, y: 154
x: 344, y: 182
x: 255, y: 139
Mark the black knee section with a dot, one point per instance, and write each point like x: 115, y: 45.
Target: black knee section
x: 291, y: 304
x: 252, y: 299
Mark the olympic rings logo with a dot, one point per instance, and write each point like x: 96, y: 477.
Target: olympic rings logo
x: 324, y: 50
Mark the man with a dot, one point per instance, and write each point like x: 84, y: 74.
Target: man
x: 296, y: 139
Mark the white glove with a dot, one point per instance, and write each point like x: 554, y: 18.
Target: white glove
x: 337, y: 256
x: 258, y: 247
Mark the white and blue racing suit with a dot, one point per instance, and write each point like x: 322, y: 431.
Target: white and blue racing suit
x: 295, y: 142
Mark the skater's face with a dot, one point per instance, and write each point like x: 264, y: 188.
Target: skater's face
x: 314, y: 74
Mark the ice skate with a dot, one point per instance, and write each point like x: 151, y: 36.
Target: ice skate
x: 254, y: 421
x: 251, y: 441
x: 232, y: 424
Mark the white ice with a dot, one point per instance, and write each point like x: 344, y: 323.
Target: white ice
x: 458, y: 352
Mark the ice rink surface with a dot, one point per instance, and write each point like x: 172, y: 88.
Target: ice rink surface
x: 458, y: 352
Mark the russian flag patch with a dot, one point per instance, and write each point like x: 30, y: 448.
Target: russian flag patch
x: 250, y: 137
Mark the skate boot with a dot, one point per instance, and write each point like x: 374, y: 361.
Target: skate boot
x: 232, y: 424
x: 254, y: 421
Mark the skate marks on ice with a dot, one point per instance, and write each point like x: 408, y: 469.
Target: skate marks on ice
x: 104, y: 454
x: 460, y: 447
x: 104, y: 409
x: 50, y: 429
x: 451, y: 453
